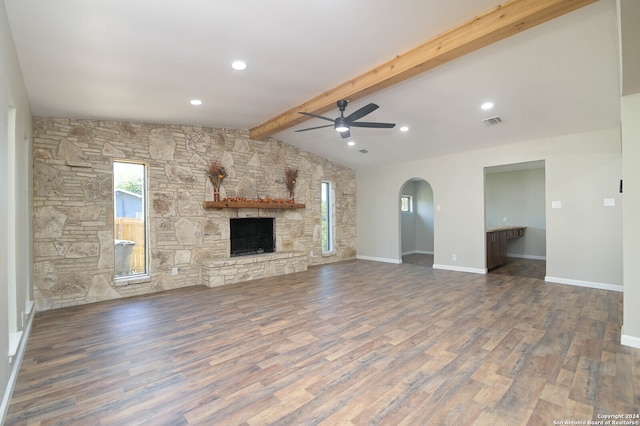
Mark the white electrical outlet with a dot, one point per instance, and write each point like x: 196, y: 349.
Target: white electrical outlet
x: 454, y: 257
x: 174, y: 271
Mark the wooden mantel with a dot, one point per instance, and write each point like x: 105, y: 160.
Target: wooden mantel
x: 249, y: 205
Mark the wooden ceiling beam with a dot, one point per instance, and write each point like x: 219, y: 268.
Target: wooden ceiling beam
x: 505, y: 20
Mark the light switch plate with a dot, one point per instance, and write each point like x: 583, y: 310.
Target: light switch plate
x: 556, y: 204
x: 609, y: 202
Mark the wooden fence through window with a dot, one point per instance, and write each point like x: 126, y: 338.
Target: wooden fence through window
x: 127, y: 228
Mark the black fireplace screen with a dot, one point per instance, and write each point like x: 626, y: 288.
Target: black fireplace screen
x: 252, y: 235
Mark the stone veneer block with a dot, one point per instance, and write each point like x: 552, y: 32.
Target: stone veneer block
x: 246, y: 268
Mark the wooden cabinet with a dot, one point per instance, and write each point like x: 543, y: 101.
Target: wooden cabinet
x: 497, y: 244
x: 496, y: 248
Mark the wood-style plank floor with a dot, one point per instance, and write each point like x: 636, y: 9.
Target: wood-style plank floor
x: 418, y: 259
x: 355, y: 342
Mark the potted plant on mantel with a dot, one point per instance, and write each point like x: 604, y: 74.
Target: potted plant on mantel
x: 217, y: 173
x: 290, y: 178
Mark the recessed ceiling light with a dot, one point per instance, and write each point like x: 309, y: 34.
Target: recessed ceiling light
x: 239, y: 65
x: 351, y: 143
x: 195, y: 102
x: 487, y: 105
x: 404, y: 129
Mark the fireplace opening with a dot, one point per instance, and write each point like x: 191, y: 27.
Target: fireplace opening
x: 252, y: 235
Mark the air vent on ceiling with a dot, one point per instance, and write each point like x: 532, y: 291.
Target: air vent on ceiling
x: 492, y: 120
x: 364, y: 151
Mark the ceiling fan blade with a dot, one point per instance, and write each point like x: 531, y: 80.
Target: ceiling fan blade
x: 310, y: 114
x: 367, y: 109
x: 313, y: 128
x: 373, y: 125
x: 345, y: 135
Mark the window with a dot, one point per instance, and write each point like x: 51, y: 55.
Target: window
x: 130, y: 219
x: 327, y: 218
x: 406, y: 204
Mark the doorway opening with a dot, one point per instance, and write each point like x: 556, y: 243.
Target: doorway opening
x: 515, y: 219
x: 416, y: 222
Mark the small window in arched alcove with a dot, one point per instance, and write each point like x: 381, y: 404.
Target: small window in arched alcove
x: 406, y: 203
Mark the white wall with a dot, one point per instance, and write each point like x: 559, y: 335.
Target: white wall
x: 517, y: 198
x: 424, y: 217
x: 631, y: 212
x: 629, y: 15
x: 15, y: 207
x: 584, y: 238
x: 407, y: 221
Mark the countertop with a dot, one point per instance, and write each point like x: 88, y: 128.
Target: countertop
x: 503, y: 228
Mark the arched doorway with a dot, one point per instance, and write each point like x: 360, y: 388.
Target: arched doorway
x: 416, y: 222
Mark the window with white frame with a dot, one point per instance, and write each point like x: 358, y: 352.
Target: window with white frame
x: 327, y: 217
x: 130, y: 219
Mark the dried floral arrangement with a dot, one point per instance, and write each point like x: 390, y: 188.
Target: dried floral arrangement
x: 290, y: 178
x: 264, y: 200
x: 217, y: 173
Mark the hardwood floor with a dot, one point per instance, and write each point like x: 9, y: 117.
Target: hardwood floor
x: 418, y: 259
x: 525, y: 268
x: 355, y: 342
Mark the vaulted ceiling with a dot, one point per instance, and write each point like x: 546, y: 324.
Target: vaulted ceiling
x: 142, y: 61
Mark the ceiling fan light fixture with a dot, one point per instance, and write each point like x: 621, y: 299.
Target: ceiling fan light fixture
x: 341, y: 125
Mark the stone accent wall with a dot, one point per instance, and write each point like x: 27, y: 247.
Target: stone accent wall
x: 73, y: 204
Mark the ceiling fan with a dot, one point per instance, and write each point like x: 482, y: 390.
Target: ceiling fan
x: 343, y: 124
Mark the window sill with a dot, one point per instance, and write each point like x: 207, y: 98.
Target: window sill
x: 329, y: 253
x: 134, y: 279
x: 14, y: 342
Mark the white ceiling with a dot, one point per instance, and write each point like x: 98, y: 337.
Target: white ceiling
x: 144, y: 61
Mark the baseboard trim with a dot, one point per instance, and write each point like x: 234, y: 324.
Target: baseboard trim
x: 15, y: 368
x: 526, y: 256
x: 406, y: 253
x: 460, y: 269
x: 379, y: 259
x: 579, y: 283
x: 632, y: 341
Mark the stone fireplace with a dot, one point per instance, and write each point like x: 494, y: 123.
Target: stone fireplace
x: 74, y: 260
x: 252, y: 235
x: 254, y: 253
